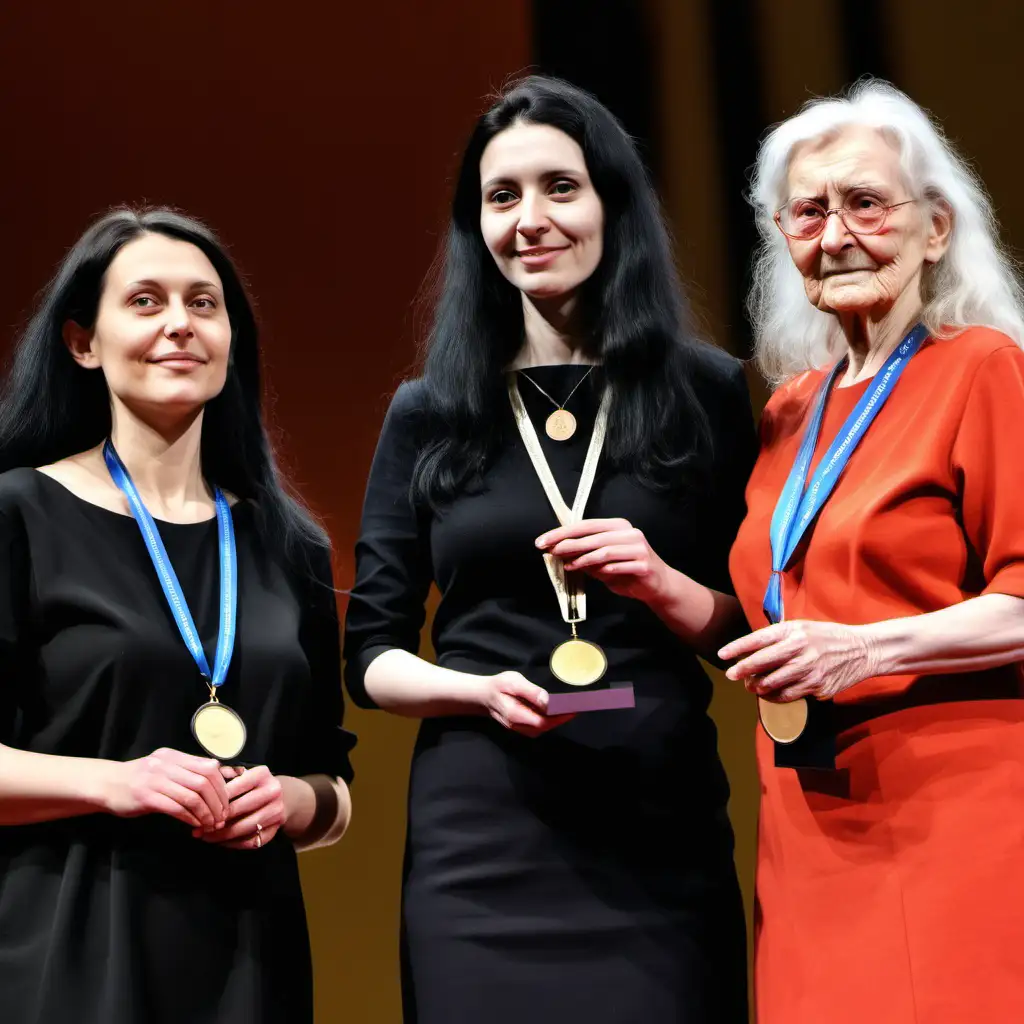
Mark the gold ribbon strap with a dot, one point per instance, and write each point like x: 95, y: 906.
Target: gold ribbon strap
x: 571, y: 599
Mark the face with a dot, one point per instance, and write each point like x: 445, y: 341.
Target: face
x: 540, y: 216
x: 846, y: 273
x: 162, y: 335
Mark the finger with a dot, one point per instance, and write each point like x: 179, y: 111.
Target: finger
x: 579, y: 545
x: 229, y: 772
x: 580, y: 529
x: 619, y: 569
x: 246, y: 827
x: 516, y: 713
x: 160, y: 803
x: 249, y: 843
x: 200, y: 785
x: 788, y: 675
x: 604, y: 554
x: 252, y: 779
x: 752, y: 642
x: 554, y: 721
x: 762, y: 662
x: 209, y: 768
x: 255, y: 800
x: 525, y: 692
x: 189, y: 800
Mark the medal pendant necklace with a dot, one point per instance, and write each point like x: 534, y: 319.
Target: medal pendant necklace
x: 561, y: 424
x: 575, y: 661
x: 218, y: 729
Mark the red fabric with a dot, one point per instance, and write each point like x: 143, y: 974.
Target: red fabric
x: 892, y: 889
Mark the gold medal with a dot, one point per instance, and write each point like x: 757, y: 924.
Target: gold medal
x: 783, y: 721
x: 578, y: 662
x: 219, y: 730
x: 560, y: 425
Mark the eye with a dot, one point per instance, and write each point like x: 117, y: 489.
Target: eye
x: 502, y: 197
x: 143, y: 302
x: 204, y: 302
x: 805, y: 211
x: 864, y: 202
x: 564, y: 187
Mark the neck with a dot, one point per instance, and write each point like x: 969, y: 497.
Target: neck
x: 871, y: 338
x: 551, y: 334
x: 163, y: 461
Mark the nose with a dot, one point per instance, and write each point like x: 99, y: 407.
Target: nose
x: 178, y: 326
x: 533, y: 220
x: 836, y: 235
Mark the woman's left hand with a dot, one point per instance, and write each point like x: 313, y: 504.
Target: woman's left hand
x: 257, y: 799
x: 801, y: 659
x: 611, y: 550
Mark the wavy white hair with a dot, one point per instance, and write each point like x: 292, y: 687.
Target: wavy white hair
x: 975, y: 282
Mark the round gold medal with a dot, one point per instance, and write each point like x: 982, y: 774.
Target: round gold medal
x: 578, y: 662
x: 219, y: 730
x: 560, y: 425
x: 784, y: 722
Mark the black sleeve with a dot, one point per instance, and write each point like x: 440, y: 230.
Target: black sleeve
x: 393, y: 566
x: 734, y: 447
x: 328, y: 746
x: 14, y: 590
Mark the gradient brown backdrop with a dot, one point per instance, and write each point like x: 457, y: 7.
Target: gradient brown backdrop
x: 320, y: 143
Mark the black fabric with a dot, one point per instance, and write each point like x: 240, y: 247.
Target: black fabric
x: 106, y: 920
x: 585, y: 875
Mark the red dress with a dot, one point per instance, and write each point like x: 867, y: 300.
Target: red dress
x: 892, y: 889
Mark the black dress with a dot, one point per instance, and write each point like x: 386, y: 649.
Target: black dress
x: 586, y: 875
x: 107, y: 920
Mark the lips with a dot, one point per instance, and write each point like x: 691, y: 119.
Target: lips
x: 178, y: 357
x: 540, y: 250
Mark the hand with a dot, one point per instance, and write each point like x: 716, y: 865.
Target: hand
x: 169, y: 782
x: 514, y: 702
x: 801, y: 659
x: 257, y: 798
x: 613, y: 551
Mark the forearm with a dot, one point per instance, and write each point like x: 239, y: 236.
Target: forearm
x: 983, y: 632
x: 318, y: 809
x: 405, y: 684
x: 705, y: 619
x: 44, y: 787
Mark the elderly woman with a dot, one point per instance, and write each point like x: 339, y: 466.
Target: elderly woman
x: 883, y: 557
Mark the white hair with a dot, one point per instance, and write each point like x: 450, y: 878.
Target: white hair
x: 975, y: 282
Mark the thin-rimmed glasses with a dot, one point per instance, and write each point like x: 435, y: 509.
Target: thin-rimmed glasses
x: 804, y: 219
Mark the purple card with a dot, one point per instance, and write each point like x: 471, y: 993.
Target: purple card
x: 608, y: 698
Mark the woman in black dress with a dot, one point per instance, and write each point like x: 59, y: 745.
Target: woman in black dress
x: 557, y: 868
x: 142, y: 880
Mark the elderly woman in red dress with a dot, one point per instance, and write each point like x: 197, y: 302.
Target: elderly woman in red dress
x: 884, y: 542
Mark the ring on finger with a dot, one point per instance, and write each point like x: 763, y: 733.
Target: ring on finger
x: 259, y: 835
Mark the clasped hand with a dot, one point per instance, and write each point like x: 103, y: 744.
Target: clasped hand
x: 801, y: 658
x: 220, y: 804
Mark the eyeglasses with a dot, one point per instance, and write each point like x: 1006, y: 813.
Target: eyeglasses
x: 862, y: 214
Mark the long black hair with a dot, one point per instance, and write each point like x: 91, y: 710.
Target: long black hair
x: 632, y: 309
x: 51, y: 408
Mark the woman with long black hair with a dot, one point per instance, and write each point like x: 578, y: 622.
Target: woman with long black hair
x: 559, y: 868
x: 170, y: 703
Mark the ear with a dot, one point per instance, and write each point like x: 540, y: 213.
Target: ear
x: 940, y: 231
x: 79, y: 343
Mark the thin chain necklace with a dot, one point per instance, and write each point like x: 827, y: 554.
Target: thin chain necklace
x: 561, y: 424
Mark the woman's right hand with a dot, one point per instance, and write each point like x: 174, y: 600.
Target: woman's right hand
x: 517, y: 704
x: 183, y: 786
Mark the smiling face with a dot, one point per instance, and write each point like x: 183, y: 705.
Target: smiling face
x: 540, y: 216
x: 162, y: 335
x: 860, y: 274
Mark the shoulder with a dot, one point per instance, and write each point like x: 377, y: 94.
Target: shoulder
x: 23, y: 489
x: 715, y: 369
x: 972, y: 349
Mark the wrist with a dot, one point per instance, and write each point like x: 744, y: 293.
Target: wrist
x: 299, y: 805
x: 98, y: 783
x: 880, y: 648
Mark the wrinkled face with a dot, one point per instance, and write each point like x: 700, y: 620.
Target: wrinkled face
x: 162, y: 336
x: 540, y: 216
x: 847, y: 273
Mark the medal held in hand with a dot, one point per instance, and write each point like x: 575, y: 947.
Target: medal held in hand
x: 800, y: 503
x: 575, y: 662
x: 218, y: 729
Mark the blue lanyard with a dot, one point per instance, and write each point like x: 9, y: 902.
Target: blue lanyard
x: 169, y: 580
x: 797, y: 507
